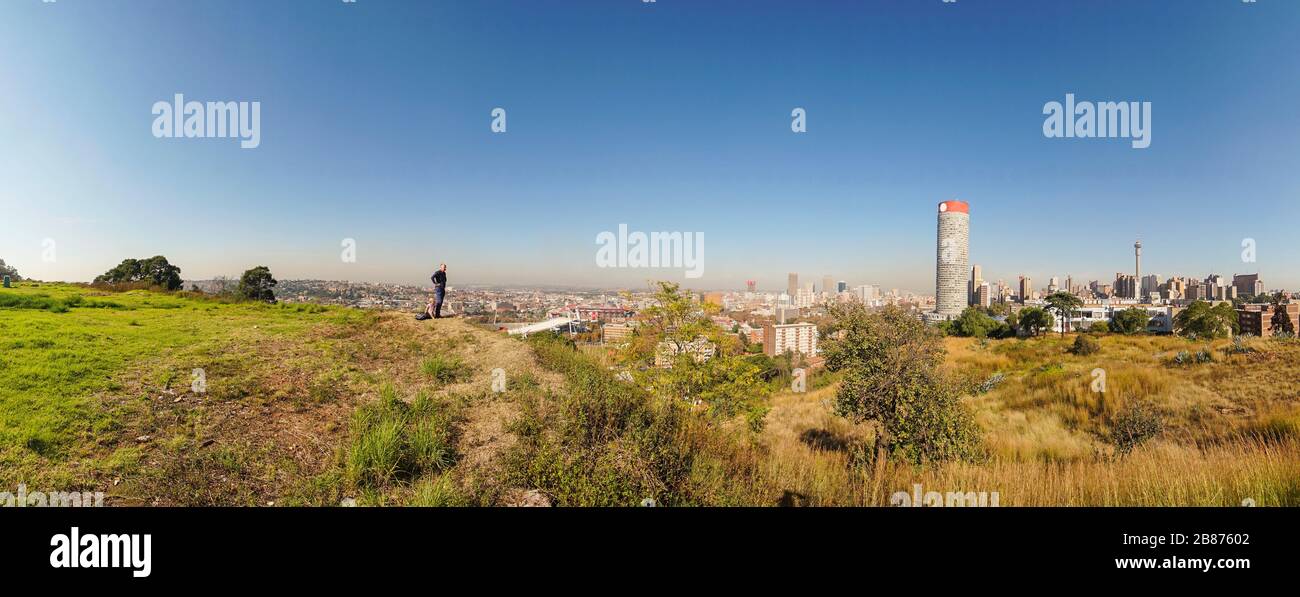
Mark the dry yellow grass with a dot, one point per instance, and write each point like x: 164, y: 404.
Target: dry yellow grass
x: 1232, y: 430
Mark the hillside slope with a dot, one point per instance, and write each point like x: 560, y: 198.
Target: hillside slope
x: 178, y: 399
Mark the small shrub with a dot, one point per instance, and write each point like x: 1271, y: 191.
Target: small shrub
x: 1085, y: 345
x: 1199, y: 357
x: 1099, y: 327
x: 1134, y: 426
x: 1238, y: 346
x: 601, y: 442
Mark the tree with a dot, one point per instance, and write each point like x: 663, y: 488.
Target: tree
x: 893, y: 376
x: 154, y: 270
x: 974, y: 323
x: 1130, y: 321
x: 1034, y: 320
x: 1099, y: 327
x: 729, y: 382
x: 1063, y: 304
x: 1280, y: 323
x: 998, y: 309
x: 257, y: 285
x: 9, y: 270
x: 1201, y: 320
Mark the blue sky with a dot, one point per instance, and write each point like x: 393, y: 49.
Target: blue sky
x: 672, y: 115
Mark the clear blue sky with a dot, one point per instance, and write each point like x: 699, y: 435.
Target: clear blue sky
x: 673, y: 115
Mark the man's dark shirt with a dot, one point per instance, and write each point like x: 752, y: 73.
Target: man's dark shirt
x: 439, y: 280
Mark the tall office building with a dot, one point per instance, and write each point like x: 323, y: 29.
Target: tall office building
x: 973, y: 287
x: 828, y: 285
x: 1248, y: 284
x: 983, y: 296
x: 1126, y: 286
x: 751, y: 285
x: 804, y: 297
x: 841, y: 286
x: 952, y: 262
x: 868, y: 294
x: 1150, y: 284
x: 793, y: 287
x: 1026, y: 289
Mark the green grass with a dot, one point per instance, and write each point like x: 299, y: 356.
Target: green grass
x: 394, y: 441
x: 69, y: 354
x: 443, y: 369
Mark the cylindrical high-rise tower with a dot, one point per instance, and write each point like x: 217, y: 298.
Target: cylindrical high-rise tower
x: 952, y: 262
x: 1137, y: 269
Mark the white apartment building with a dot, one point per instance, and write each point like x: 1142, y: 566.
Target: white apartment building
x: 792, y: 337
x: 805, y: 298
x: 1162, y: 317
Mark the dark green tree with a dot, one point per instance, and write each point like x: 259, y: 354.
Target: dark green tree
x: 892, y: 376
x: 1034, y: 320
x: 1130, y: 321
x: 1063, y: 304
x: 974, y: 323
x: 9, y: 270
x: 154, y: 270
x: 257, y: 284
x: 1281, y: 321
x: 1201, y: 320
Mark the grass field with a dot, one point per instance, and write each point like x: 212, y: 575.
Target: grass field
x: 1232, y: 429
x: 301, y: 404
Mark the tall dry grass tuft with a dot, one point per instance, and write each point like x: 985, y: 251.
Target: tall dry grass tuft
x: 1163, y: 474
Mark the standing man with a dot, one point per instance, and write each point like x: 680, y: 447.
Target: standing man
x: 434, y: 310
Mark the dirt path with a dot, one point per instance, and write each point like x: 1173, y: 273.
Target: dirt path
x: 485, y: 433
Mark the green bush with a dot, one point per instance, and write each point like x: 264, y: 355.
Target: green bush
x: 1085, y: 345
x: 602, y: 442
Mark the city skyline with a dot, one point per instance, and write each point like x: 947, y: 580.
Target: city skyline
x: 388, y: 141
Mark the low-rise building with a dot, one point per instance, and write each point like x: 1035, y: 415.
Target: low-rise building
x: 1264, y: 320
x: 617, y: 333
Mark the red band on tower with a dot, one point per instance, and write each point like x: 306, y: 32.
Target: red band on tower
x: 957, y: 206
